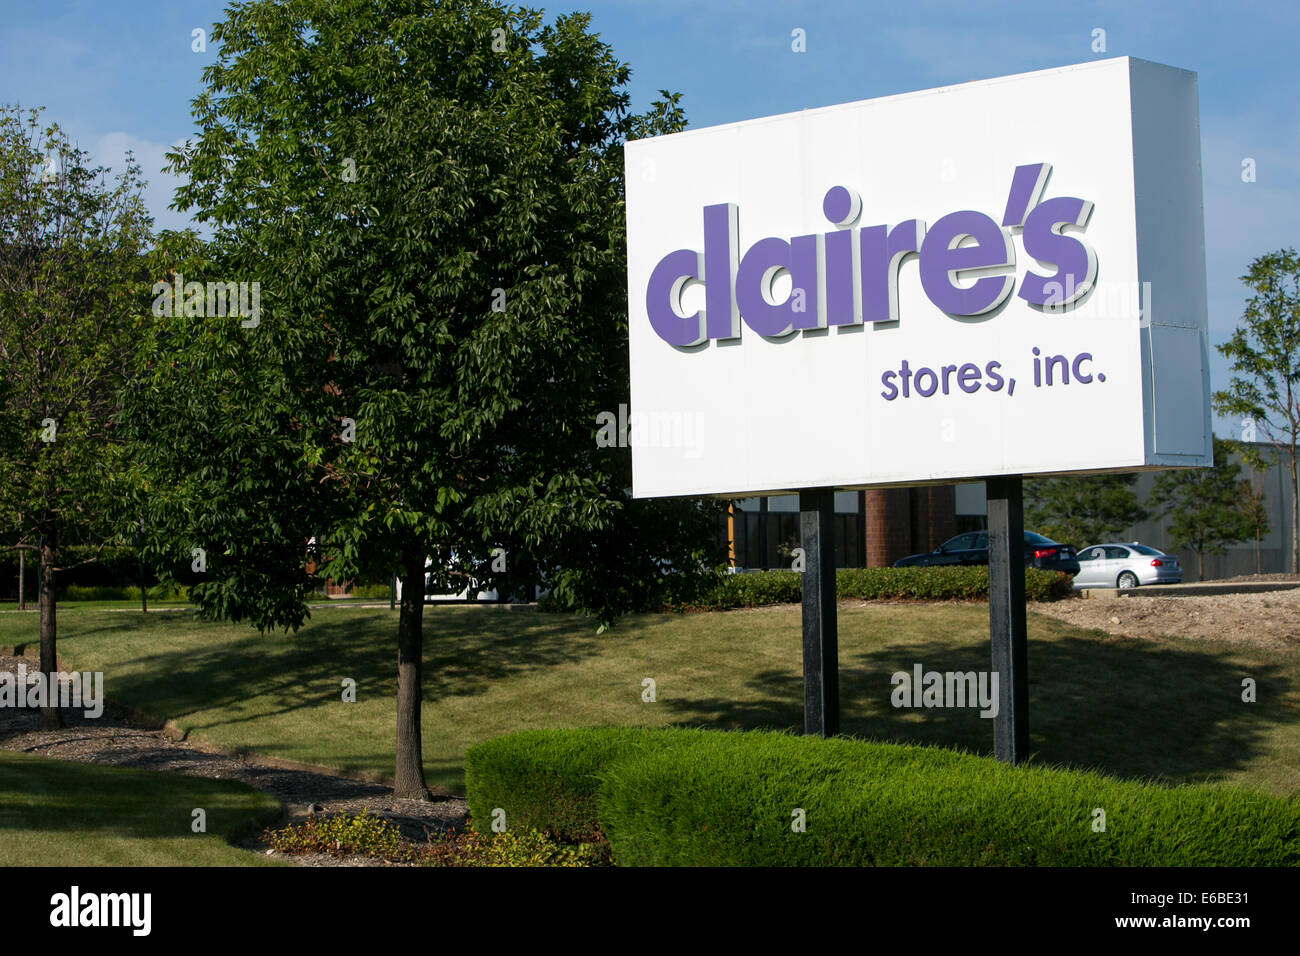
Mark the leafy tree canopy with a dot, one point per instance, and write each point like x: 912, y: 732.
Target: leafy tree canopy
x: 1082, y: 510
x: 1205, y: 505
x: 73, y: 250
x: 427, y: 199
x: 1264, y: 351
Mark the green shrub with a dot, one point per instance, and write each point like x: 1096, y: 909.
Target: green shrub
x: 105, y: 592
x: 362, y: 834
x: 341, y: 834
x: 528, y: 848
x: 709, y: 798
x: 731, y: 800
x: 753, y: 589
x: 547, y: 779
x: 372, y: 592
x: 758, y: 588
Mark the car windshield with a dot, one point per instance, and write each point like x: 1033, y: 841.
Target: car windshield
x: 1032, y: 538
x: 1143, y: 549
x: 961, y: 542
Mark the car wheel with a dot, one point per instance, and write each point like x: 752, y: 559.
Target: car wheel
x: 1127, y: 580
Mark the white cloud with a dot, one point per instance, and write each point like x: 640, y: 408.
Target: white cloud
x: 110, y: 150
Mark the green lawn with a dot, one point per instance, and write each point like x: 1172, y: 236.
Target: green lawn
x: 61, y: 813
x: 1169, y: 709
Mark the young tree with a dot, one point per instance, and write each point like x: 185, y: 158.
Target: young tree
x: 1204, y: 505
x: 430, y: 198
x: 1265, y: 354
x: 1254, y: 509
x: 1253, y: 501
x: 1082, y: 510
x: 72, y: 271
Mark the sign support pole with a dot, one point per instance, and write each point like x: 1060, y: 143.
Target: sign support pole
x: 821, y: 666
x: 1007, y: 631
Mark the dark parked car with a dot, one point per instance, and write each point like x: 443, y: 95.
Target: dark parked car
x: 973, y: 548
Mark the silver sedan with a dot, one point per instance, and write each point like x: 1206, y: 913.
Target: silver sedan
x: 1125, y: 566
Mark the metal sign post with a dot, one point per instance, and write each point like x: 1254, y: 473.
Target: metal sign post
x: 821, y: 667
x: 1007, y: 617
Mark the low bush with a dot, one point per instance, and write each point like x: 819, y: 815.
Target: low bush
x: 710, y: 798
x: 752, y: 589
x: 528, y: 848
x: 758, y: 588
x: 547, y: 779
x: 736, y: 800
x: 362, y: 834
x: 372, y: 592
x: 104, y: 592
x: 342, y: 834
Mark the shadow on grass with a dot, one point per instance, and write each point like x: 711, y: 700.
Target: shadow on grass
x: 250, y: 677
x: 53, y: 795
x: 1133, y: 709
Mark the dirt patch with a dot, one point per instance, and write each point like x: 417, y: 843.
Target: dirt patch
x: 117, y: 738
x: 1268, y: 619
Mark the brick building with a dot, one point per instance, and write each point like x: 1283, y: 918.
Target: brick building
x: 873, y: 528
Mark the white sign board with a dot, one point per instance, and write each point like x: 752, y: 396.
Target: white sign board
x: 1003, y: 277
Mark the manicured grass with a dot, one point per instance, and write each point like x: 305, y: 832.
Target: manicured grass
x: 61, y: 813
x: 1169, y: 709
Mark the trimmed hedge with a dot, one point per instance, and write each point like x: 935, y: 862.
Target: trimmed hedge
x: 971, y: 583
x: 372, y: 592
x: 107, y: 592
x: 547, y: 780
x: 709, y: 798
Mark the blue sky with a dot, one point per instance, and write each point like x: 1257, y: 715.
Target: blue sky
x: 120, y: 75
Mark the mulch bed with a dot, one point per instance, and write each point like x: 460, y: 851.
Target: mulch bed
x: 119, y: 738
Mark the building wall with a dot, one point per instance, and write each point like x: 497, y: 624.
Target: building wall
x: 872, y: 528
x: 903, y: 521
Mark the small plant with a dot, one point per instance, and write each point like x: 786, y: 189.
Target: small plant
x: 529, y: 848
x: 365, y: 835
x: 343, y: 834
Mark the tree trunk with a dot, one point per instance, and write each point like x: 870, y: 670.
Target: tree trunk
x: 1200, y: 565
x: 51, y: 717
x: 22, y: 583
x: 410, y: 666
x: 1295, y: 518
x: 144, y: 586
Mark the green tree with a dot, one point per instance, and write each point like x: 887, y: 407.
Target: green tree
x: 1264, y: 390
x: 430, y: 198
x: 72, y: 268
x: 1082, y: 510
x: 1204, y: 505
x: 1253, y: 501
x: 1253, y: 504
